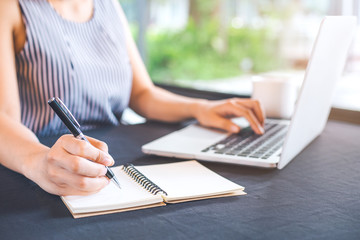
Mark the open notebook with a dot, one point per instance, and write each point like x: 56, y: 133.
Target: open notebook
x: 152, y: 186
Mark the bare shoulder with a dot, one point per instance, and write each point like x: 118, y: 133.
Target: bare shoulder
x: 10, y: 23
x: 10, y: 14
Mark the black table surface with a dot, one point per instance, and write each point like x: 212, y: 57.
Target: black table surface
x: 317, y: 196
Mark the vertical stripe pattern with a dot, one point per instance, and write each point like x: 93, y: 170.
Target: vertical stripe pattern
x: 85, y: 64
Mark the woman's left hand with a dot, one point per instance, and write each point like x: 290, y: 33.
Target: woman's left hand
x: 218, y: 114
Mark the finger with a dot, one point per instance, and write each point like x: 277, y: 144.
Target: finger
x: 254, y: 123
x: 98, y: 144
x: 223, y: 123
x: 68, y: 190
x: 63, y: 178
x: 241, y: 111
x: 87, y: 184
x: 255, y: 106
x: 79, y: 165
x: 84, y: 149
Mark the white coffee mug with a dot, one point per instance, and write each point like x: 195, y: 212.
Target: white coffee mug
x: 277, y: 94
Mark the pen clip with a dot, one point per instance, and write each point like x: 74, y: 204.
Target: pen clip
x: 67, y: 112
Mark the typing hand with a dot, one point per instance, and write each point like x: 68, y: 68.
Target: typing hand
x: 65, y: 168
x: 218, y: 113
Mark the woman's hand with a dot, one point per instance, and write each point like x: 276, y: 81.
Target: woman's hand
x: 218, y: 113
x: 65, y: 168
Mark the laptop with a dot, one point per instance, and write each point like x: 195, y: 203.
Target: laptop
x: 283, y: 139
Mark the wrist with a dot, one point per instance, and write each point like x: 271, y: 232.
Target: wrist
x: 32, y: 162
x: 197, y: 107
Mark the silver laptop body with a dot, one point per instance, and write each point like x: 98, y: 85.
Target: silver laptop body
x: 283, y: 139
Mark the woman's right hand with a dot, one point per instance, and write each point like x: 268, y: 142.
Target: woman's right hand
x: 65, y: 168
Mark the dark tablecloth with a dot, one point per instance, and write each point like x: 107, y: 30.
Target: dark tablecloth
x: 317, y: 196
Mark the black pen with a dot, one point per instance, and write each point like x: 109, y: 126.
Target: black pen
x: 68, y: 119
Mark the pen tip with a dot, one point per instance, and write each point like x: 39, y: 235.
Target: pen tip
x: 116, y: 182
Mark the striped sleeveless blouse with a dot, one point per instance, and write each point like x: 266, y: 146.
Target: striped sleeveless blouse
x: 84, y: 64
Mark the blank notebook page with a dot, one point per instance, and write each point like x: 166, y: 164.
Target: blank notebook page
x: 187, y: 179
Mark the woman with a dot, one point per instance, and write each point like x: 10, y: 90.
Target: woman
x: 81, y: 51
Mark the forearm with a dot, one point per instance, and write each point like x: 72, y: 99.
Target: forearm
x: 19, y: 147
x: 159, y: 104
x: 153, y: 102
x: 149, y: 100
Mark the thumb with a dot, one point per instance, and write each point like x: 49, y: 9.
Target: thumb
x: 225, y: 124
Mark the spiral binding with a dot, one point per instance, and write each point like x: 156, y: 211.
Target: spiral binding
x: 142, y: 180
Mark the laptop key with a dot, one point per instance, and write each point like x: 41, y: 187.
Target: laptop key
x: 223, y: 150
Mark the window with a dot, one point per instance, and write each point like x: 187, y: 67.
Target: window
x: 219, y: 44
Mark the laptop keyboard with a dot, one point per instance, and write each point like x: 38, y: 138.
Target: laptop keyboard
x: 249, y: 144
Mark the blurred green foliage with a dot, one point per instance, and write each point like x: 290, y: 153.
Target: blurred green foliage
x: 192, y: 53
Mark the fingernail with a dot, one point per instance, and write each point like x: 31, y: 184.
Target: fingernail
x: 234, y: 129
x: 109, y: 160
x: 261, y: 130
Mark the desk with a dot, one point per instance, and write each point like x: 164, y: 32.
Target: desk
x: 317, y: 196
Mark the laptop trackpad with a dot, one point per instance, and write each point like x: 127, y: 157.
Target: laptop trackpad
x: 191, y: 140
